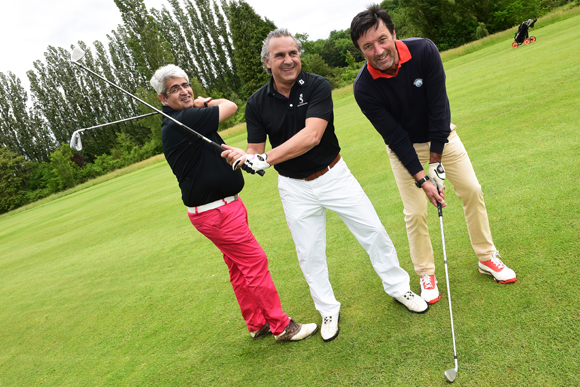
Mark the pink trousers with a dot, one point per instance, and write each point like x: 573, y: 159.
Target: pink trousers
x: 227, y: 227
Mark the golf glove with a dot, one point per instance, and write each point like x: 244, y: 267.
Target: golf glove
x: 253, y: 163
x: 437, y: 174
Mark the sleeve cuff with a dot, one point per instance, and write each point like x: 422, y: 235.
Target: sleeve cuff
x: 437, y: 147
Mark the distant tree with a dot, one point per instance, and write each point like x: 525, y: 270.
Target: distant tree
x: 248, y: 31
x: 63, y: 168
x: 481, y: 31
x: 334, y: 49
x: 148, y: 46
x: 123, y: 61
x: 22, y: 128
x: 201, y: 44
x: 400, y: 16
x: 314, y: 63
x: 14, y: 170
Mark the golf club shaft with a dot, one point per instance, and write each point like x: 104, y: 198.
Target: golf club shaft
x: 440, y: 210
x: 216, y: 145
x: 202, y: 137
x: 117, y: 122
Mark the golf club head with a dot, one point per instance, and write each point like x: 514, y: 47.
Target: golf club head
x: 451, y: 374
x: 77, y: 54
x: 75, y: 141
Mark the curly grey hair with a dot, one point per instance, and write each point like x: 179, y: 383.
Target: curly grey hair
x: 277, y: 33
x: 164, y: 74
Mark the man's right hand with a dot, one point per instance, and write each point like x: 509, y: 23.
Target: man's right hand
x: 434, y: 194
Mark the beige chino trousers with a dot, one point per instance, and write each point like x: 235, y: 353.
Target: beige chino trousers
x: 459, y: 172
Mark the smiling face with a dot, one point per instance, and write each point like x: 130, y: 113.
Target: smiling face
x: 378, y: 47
x: 179, y: 95
x: 283, y: 60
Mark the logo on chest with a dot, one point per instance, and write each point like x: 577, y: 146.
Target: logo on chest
x: 301, y: 100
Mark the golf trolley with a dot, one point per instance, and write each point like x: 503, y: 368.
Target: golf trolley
x: 522, y: 37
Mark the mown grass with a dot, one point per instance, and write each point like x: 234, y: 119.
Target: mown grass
x: 111, y: 285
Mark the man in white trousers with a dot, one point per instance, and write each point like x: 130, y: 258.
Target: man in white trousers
x: 295, y: 111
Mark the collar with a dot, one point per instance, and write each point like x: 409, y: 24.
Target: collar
x: 404, y: 56
x: 299, y: 82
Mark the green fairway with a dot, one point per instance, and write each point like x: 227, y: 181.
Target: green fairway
x: 111, y: 285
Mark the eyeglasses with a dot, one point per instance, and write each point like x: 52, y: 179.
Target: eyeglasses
x: 178, y: 88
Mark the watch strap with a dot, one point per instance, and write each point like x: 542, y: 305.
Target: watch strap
x: 419, y: 183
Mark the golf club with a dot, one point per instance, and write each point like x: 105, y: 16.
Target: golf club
x: 77, y: 54
x: 75, y: 140
x: 452, y: 373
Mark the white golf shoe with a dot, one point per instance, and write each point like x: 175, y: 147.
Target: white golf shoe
x: 429, y: 291
x: 296, y: 332
x: 496, y: 268
x: 329, y: 329
x: 413, y: 302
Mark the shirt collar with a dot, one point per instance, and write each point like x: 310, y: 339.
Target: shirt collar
x: 404, y: 56
x: 300, y: 82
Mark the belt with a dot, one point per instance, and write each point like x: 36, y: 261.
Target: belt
x: 316, y: 175
x: 212, y: 205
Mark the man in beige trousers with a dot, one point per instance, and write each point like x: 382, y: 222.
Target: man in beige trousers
x: 401, y: 90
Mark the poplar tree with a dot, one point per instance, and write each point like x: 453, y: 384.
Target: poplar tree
x: 148, y: 46
x: 248, y: 31
x: 201, y: 44
x: 19, y: 126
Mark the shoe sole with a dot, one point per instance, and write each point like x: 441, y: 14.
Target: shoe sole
x: 310, y: 335
x: 508, y: 281
x: 333, y: 337
x: 304, y: 338
x: 433, y: 300
x: 412, y: 311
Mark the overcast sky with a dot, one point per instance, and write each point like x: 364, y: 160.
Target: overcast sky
x: 28, y: 27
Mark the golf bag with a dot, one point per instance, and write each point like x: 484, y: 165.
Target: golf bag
x: 522, y: 36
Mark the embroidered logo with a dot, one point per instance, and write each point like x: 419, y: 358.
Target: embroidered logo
x: 418, y: 82
x: 301, y: 100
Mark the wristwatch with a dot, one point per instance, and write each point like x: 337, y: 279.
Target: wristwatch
x: 420, y: 182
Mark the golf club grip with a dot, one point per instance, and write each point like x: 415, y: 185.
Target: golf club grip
x: 261, y: 173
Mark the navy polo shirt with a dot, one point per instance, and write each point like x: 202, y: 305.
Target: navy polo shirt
x: 270, y: 114
x: 203, y: 175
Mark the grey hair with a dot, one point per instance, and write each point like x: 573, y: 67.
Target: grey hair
x: 163, y: 74
x: 277, y: 33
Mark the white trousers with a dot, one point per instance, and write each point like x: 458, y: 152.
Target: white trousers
x: 305, y: 204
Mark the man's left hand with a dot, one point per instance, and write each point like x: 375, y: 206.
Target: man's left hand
x: 437, y: 175
x: 254, y: 163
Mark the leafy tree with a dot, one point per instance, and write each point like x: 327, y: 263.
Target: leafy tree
x: 248, y: 31
x: 14, y: 170
x: 148, y: 46
x: 334, y: 49
x: 21, y: 128
x: 123, y: 61
x: 201, y: 44
x: 400, y: 16
x: 314, y: 63
x: 481, y: 31
x: 63, y: 168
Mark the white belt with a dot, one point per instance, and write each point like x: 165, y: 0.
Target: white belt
x: 212, y: 205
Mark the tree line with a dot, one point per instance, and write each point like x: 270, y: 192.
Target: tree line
x: 218, y: 43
